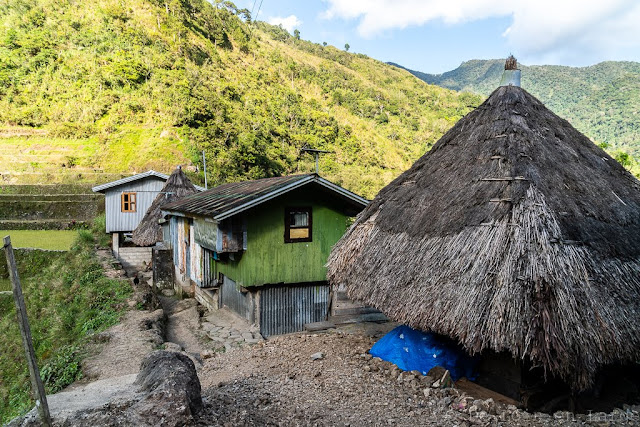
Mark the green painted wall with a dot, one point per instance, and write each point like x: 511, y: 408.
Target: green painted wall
x: 269, y: 260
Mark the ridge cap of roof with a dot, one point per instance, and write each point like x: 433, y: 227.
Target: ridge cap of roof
x: 127, y: 179
x: 261, y: 195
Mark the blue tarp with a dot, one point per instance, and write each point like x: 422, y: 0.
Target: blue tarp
x: 413, y: 350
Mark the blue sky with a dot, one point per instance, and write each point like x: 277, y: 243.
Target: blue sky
x: 434, y: 36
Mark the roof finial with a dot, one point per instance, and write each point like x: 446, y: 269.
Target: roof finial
x: 511, y: 75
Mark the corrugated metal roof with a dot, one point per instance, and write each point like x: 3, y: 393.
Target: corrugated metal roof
x: 227, y: 200
x: 103, y: 187
x: 150, y: 173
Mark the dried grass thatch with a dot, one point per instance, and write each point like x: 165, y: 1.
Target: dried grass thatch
x: 149, y: 231
x: 514, y: 233
x: 511, y: 63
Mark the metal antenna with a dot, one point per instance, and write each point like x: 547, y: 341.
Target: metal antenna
x: 316, y: 154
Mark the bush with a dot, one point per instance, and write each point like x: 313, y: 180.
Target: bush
x: 98, y: 228
x: 62, y: 369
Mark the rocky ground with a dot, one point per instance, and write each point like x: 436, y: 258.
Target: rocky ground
x: 319, y: 379
x: 278, y: 382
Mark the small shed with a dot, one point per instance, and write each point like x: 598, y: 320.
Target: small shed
x: 127, y: 201
x: 261, y: 246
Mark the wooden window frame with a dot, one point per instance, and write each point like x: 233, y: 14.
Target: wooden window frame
x: 131, y: 204
x: 287, y: 226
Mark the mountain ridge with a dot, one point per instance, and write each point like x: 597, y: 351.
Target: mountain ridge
x: 600, y: 100
x: 103, y: 88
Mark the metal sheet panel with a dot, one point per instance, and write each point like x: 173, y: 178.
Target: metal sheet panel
x: 286, y: 309
x: 209, y: 278
x: 241, y: 303
x: 146, y: 191
x: 205, y: 233
x: 174, y: 239
x: 187, y: 246
x: 196, y: 262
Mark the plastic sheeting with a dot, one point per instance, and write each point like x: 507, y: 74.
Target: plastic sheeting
x: 411, y: 350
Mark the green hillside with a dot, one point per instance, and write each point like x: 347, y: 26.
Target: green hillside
x: 90, y: 90
x: 602, y: 101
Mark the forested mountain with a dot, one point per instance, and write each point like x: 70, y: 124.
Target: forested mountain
x: 602, y: 101
x: 112, y: 86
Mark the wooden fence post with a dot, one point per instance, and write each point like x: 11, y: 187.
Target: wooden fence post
x: 25, y: 331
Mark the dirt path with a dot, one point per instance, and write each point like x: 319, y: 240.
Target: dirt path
x: 125, y: 345
x: 166, y: 322
x: 182, y: 325
x: 120, y: 349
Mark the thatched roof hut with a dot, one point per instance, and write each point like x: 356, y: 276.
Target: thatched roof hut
x: 149, y: 231
x: 514, y: 233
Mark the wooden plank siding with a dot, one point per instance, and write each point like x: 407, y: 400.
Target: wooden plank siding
x: 269, y: 260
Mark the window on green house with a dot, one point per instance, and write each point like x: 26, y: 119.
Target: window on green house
x: 297, y: 225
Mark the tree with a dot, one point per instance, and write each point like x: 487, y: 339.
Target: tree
x: 296, y: 34
x: 246, y: 14
x: 346, y: 47
x: 324, y: 44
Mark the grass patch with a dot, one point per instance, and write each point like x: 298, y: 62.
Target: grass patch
x: 61, y: 240
x: 68, y: 298
x: 5, y: 284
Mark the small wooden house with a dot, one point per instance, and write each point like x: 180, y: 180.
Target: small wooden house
x: 126, y: 203
x: 260, y: 247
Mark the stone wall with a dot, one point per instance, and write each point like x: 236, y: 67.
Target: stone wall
x: 134, y: 257
x: 42, y: 207
x: 162, y: 267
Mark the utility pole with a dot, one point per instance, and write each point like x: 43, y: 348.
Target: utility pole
x: 316, y: 154
x: 204, y: 164
x: 25, y: 331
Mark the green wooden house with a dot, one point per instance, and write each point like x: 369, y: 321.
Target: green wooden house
x: 260, y: 247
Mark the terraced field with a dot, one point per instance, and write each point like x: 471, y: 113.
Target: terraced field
x: 37, y: 156
x: 47, y: 206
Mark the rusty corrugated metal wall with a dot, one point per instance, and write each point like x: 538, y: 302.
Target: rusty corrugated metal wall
x: 285, y: 309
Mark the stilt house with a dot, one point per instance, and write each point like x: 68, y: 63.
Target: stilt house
x: 126, y: 203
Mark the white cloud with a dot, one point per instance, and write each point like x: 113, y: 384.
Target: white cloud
x: 289, y: 23
x: 539, y: 28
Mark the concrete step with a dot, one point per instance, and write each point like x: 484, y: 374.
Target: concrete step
x: 319, y: 326
x: 353, y: 311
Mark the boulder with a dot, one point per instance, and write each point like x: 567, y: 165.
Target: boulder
x: 171, y: 390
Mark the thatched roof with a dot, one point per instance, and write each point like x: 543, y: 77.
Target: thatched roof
x: 149, y: 231
x: 514, y: 233
x: 511, y: 63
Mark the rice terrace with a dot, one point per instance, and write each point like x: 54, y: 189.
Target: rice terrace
x: 215, y: 221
